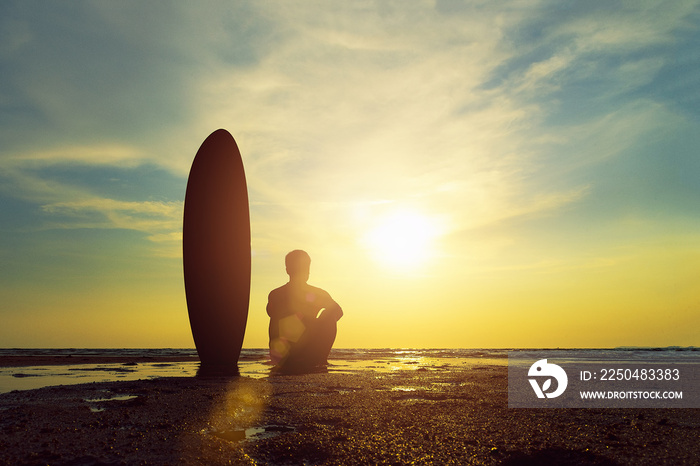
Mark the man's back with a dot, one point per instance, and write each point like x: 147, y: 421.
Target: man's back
x: 299, y: 336
x: 301, y: 299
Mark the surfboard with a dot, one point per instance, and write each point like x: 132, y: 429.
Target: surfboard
x: 216, y: 251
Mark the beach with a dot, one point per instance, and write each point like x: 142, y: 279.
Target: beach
x: 383, y: 409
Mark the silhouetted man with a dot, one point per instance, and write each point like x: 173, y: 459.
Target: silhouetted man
x: 303, y: 318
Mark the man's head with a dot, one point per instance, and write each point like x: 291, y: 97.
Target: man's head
x: 298, y: 264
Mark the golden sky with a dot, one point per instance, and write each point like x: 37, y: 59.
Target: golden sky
x: 462, y: 174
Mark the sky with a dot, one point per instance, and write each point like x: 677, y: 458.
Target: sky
x: 463, y: 173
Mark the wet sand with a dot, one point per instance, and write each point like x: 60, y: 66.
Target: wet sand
x: 439, y: 412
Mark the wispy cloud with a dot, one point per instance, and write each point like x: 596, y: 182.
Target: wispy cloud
x: 145, y: 216
x: 461, y: 112
x: 64, y: 205
x: 102, y: 154
x: 371, y: 106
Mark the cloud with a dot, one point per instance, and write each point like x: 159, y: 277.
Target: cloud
x: 364, y: 106
x: 141, y: 216
x: 484, y: 114
x: 161, y: 222
x: 128, y: 73
x: 102, y: 154
x: 71, y: 189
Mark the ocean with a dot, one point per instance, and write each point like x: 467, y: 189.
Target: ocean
x: 254, y: 362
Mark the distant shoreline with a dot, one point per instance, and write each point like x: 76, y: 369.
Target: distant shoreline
x: 24, y: 361
x: 23, y: 357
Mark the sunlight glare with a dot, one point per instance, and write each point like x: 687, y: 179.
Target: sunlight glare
x: 403, y: 239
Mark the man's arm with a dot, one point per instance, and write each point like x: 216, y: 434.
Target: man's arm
x: 335, y: 311
x: 272, y: 306
x: 328, y: 306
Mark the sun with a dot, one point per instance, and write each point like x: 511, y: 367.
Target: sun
x: 402, y: 239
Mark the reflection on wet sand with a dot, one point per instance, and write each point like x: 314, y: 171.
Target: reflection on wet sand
x: 234, y: 414
x: 32, y: 377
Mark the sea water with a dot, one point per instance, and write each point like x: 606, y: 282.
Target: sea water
x: 254, y: 362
